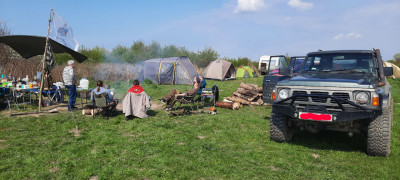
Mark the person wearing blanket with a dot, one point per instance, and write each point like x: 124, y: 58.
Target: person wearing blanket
x: 136, y: 102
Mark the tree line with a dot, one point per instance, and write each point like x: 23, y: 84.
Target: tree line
x: 140, y: 51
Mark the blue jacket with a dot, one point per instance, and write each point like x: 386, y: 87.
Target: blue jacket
x: 203, y: 85
x: 102, y: 90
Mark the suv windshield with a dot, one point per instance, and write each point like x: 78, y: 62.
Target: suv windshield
x: 353, y: 62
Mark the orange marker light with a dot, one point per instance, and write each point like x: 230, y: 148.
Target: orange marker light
x: 375, y: 101
x: 273, y: 95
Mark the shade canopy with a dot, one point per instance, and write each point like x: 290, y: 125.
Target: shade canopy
x: 29, y: 46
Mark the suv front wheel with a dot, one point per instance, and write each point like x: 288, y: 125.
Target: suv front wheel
x: 378, y: 142
x: 279, y: 128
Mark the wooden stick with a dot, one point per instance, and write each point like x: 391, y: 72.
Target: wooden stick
x: 43, y: 61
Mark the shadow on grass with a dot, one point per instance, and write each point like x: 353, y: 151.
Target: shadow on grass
x: 330, y: 140
x: 149, y: 112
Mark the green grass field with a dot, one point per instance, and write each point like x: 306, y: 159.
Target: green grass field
x: 229, y: 145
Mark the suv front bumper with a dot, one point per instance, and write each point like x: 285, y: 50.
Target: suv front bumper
x: 283, y: 107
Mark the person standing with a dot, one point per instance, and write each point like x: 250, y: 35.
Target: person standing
x: 70, y: 84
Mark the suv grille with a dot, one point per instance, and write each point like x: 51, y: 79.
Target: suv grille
x: 318, y: 99
x: 344, y: 96
x: 300, y: 98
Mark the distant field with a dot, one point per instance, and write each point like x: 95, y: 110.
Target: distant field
x: 229, y: 145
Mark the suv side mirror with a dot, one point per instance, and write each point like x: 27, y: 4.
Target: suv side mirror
x: 388, y: 71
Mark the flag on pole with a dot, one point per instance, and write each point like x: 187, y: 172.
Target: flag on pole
x: 61, y: 32
x: 49, y: 60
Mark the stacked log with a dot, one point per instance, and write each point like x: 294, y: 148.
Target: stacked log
x: 247, y: 94
x: 228, y: 105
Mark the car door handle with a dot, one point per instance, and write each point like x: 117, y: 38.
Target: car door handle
x: 267, y: 80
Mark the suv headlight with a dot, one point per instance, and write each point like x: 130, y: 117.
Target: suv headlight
x: 362, y: 98
x: 283, y: 93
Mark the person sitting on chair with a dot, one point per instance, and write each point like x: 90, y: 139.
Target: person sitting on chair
x: 136, y: 101
x: 203, y: 85
x: 171, y: 97
x: 109, y: 98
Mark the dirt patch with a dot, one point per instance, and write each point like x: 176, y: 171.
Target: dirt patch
x: 180, y: 143
x: 132, y: 135
x: 201, y: 137
x: 44, y: 142
x: 75, y: 131
x: 273, y: 168
x: 93, y: 177
x: 157, y: 106
x: 119, y: 106
x: 316, y: 156
x: 54, y: 169
x: 3, y: 146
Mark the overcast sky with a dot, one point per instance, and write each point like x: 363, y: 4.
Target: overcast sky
x: 245, y: 28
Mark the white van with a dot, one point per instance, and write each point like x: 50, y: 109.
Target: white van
x: 263, y: 64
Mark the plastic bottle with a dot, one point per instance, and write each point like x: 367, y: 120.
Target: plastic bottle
x: 84, y: 83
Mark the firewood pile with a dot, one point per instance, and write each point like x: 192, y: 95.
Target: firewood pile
x: 246, y: 94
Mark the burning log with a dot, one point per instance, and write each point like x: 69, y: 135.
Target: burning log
x: 228, y: 105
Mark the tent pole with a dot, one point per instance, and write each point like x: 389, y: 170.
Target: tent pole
x: 43, y: 62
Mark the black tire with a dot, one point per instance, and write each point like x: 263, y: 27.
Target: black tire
x: 279, y: 128
x: 379, y: 130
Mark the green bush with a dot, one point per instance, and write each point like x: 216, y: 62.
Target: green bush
x: 147, y: 81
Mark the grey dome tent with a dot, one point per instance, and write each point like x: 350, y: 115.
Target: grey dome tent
x: 220, y: 70
x: 173, y: 70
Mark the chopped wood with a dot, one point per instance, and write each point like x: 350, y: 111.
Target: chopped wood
x: 228, y: 105
x: 239, y: 100
x: 249, y: 87
x: 248, y: 98
x: 247, y: 92
x: 86, y: 111
x: 260, y: 101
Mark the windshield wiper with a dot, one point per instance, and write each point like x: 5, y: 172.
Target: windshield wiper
x: 350, y: 71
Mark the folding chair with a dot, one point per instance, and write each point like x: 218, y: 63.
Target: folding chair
x: 207, y: 94
x: 54, y: 95
x: 190, y: 100
x: 100, y: 105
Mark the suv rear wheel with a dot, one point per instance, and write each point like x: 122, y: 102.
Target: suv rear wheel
x: 279, y: 127
x: 379, y: 129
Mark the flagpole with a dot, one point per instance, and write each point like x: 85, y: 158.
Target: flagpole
x: 43, y: 62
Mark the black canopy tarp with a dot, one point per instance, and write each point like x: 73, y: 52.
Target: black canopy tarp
x: 29, y: 46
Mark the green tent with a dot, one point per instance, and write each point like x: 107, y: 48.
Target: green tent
x: 245, y: 72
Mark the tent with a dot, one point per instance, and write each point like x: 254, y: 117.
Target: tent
x: 173, y: 70
x: 396, y: 69
x: 220, y: 69
x: 245, y: 72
